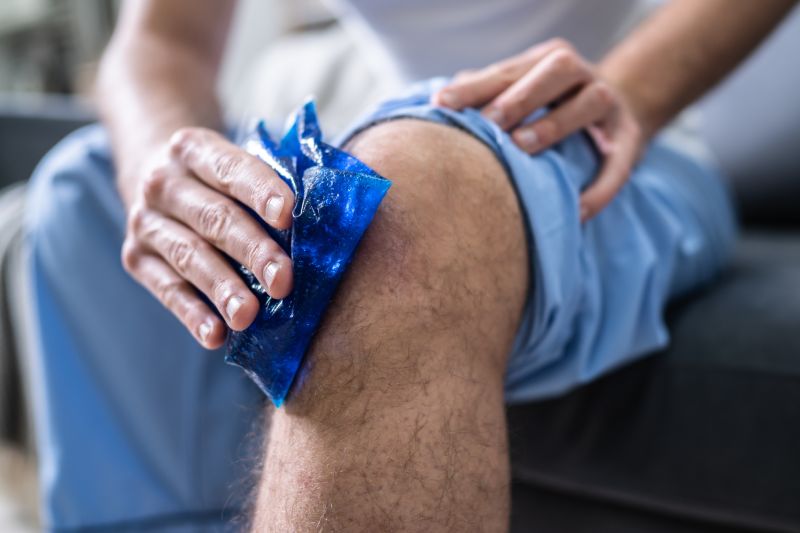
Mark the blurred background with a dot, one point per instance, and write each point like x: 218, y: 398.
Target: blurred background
x: 49, y: 51
x: 51, y: 47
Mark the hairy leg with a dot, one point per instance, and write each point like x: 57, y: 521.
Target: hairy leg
x: 398, y: 423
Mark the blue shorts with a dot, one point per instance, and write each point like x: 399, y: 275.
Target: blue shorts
x: 598, y: 290
x: 139, y: 427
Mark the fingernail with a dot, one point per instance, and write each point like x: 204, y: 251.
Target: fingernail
x: 233, y: 305
x: 528, y: 139
x: 274, y: 208
x: 495, y: 115
x: 270, y: 271
x: 449, y: 99
x: 204, y: 331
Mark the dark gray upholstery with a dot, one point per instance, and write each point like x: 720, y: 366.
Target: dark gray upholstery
x: 705, y: 433
x: 29, y: 127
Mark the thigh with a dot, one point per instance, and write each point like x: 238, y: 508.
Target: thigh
x: 123, y: 396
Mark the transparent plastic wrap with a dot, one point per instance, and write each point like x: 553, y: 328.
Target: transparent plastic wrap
x: 336, y: 197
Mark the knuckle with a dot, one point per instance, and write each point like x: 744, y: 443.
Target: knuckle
x: 262, y: 190
x: 463, y: 74
x: 513, y: 106
x: 214, y: 220
x: 506, y: 71
x: 255, y: 255
x: 129, y: 256
x: 136, y: 219
x: 181, y: 140
x: 168, y: 292
x: 154, y: 183
x: 221, y: 289
x: 182, y: 254
x: 560, y: 43
x: 510, y: 73
x: 151, y: 228
x: 193, y: 312
x: 259, y: 196
x: 495, y: 69
x: 563, y: 59
x: 548, y: 132
x: 604, y: 94
x: 226, y: 166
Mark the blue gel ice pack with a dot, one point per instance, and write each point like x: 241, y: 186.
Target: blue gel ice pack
x: 336, y: 196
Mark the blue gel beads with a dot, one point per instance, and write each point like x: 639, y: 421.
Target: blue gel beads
x: 336, y: 196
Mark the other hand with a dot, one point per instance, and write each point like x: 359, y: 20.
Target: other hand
x: 554, y: 74
x: 185, y: 219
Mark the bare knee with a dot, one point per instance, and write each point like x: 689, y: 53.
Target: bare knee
x: 444, y: 263
x: 451, y: 208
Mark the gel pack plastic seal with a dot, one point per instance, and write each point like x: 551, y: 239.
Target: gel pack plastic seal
x: 336, y: 196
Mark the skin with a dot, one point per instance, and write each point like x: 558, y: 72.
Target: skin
x: 399, y: 424
x: 178, y: 177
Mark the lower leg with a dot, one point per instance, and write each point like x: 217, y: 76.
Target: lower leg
x: 398, y: 421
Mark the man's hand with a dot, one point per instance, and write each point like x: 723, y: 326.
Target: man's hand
x: 185, y: 219
x: 554, y: 74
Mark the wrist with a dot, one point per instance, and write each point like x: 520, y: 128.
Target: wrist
x: 642, y: 105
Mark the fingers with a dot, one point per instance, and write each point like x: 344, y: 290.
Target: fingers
x: 592, y: 103
x: 555, y: 76
x: 620, y: 157
x: 186, y: 219
x: 194, y: 260
x: 477, y: 87
x: 176, y: 294
x: 229, y: 169
x: 228, y: 227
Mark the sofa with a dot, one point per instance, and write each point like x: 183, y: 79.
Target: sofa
x: 703, y: 436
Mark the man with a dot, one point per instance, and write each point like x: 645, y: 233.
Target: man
x: 445, y: 312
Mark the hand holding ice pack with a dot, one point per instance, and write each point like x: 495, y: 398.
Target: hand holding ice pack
x: 336, y: 196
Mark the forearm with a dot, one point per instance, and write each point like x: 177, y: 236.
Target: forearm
x: 683, y: 50
x: 153, y: 81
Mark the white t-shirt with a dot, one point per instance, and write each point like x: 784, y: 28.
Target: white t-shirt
x: 424, y: 38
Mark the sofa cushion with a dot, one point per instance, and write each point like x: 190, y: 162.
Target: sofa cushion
x: 706, y: 432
